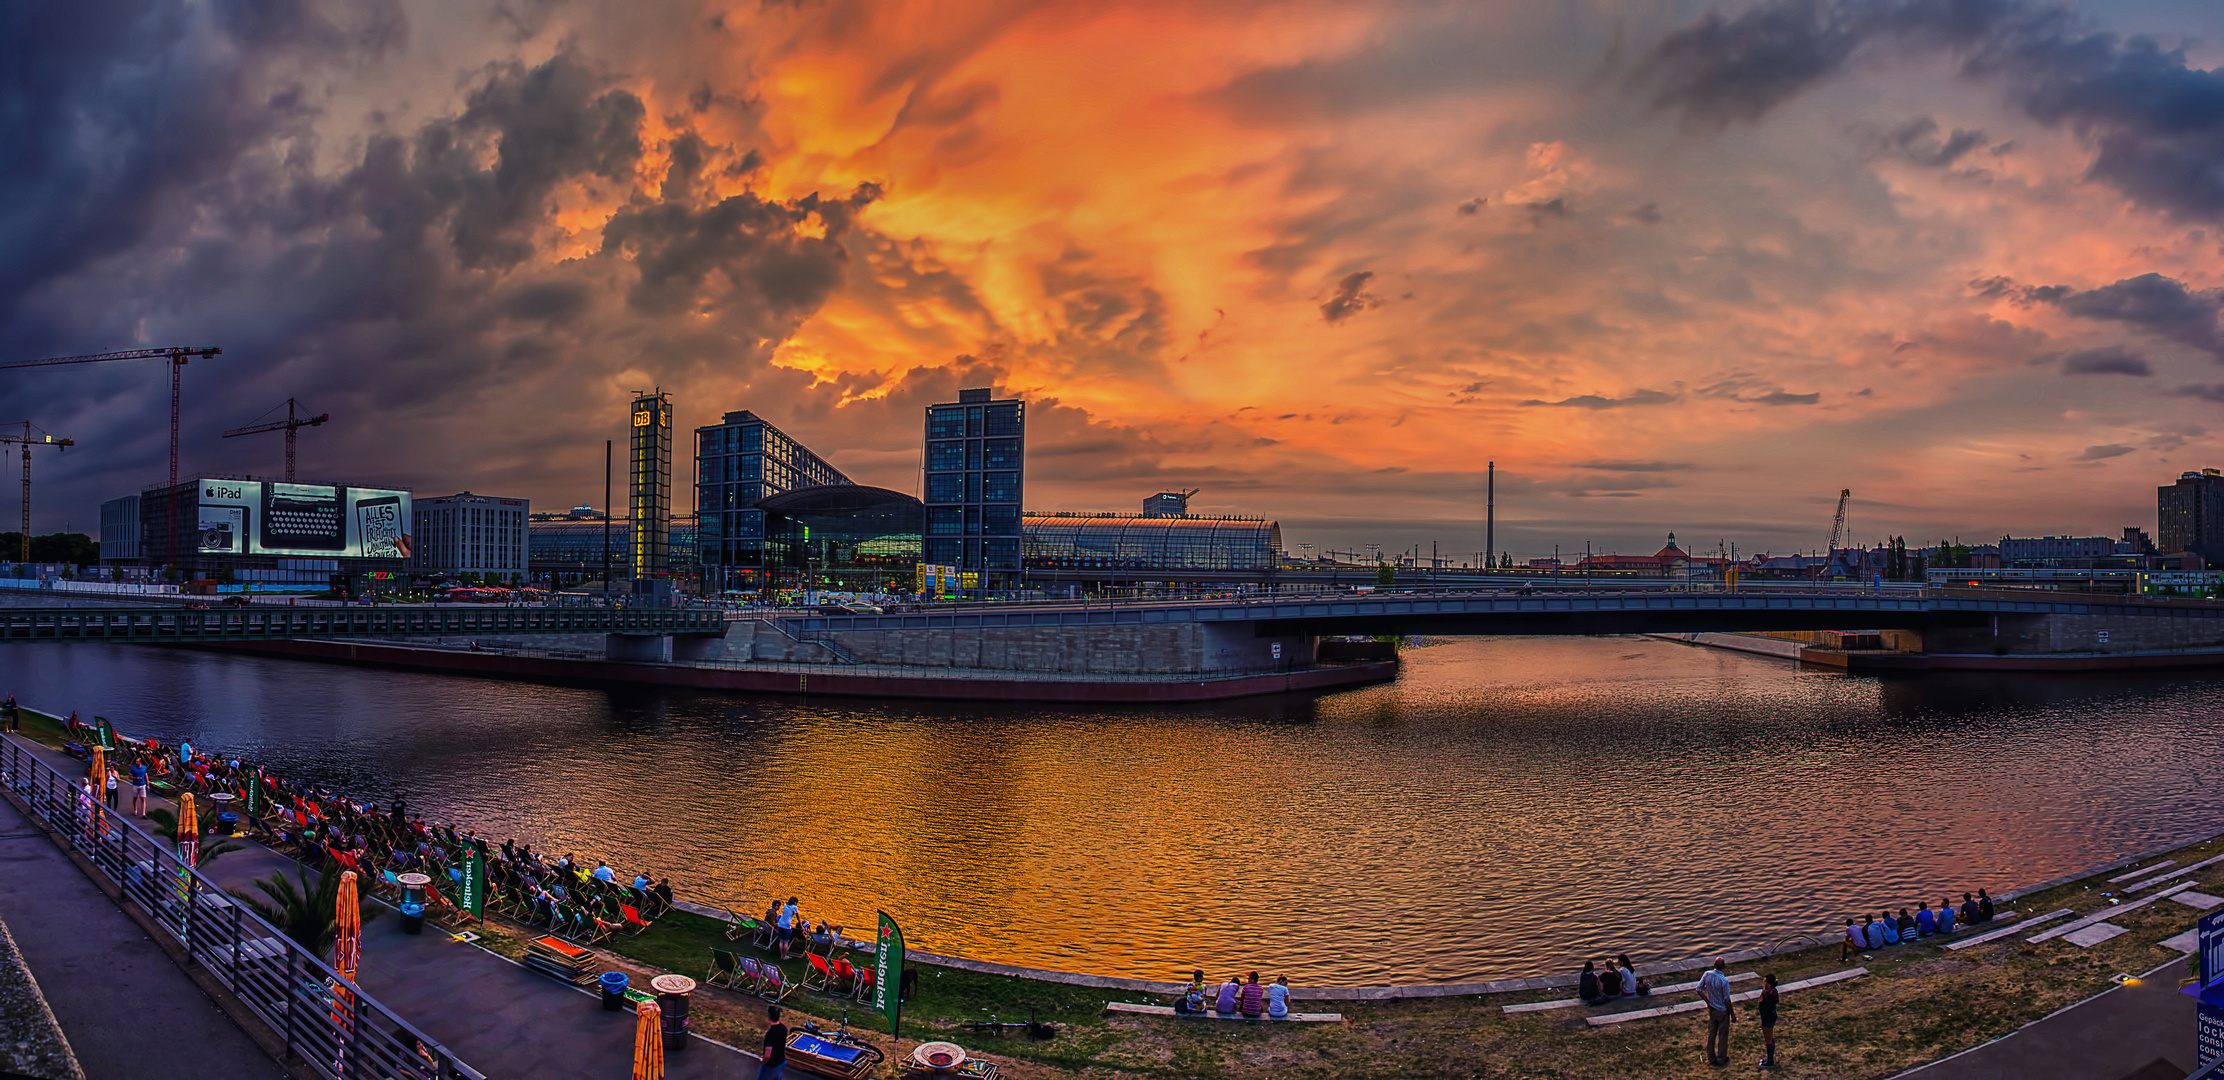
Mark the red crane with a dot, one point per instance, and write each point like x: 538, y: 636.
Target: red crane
x: 29, y: 440
x: 177, y: 355
x: 290, y: 426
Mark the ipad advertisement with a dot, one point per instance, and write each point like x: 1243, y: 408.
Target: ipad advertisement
x: 259, y: 517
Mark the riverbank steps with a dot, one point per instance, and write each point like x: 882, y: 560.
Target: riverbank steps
x: 1917, y: 1004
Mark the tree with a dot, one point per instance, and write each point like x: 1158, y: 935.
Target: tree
x: 1385, y: 574
x: 304, y: 910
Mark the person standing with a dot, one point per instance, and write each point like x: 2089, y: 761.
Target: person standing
x: 775, y: 1061
x: 1768, y: 1019
x: 1714, y: 989
x: 786, y: 923
x: 114, y: 783
x: 139, y: 788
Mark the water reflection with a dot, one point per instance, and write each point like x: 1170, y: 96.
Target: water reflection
x: 1506, y: 807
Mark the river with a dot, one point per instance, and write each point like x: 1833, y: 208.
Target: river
x: 1507, y: 807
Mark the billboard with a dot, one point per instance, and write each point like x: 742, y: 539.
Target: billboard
x: 268, y: 517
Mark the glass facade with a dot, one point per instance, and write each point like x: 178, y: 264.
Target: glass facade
x: 1130, y: 545
x: 975, y: 482
x: 739, y: 462
x: 848, y: 537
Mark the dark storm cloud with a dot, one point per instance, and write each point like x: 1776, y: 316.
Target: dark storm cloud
x: 1350, y: 298
x: 2159, y: 305
x: 1918, y: 141
x: 2109, y: 360
x: 2155, y: 125
x: 1595, y: 401
x: 164, y: 184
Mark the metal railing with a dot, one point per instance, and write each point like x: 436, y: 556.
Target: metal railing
x: 325, y: 1020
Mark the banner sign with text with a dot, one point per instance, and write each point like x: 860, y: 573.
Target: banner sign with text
x: 888, y: 968
x: 255, y: 794
x: 473, y: 898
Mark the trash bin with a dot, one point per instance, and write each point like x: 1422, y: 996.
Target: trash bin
x: 227, y: 822
x: 413, y: 902
x: 671, y: 996
x: 613, y: 991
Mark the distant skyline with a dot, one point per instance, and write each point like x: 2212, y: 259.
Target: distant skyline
x: 1674, y: 266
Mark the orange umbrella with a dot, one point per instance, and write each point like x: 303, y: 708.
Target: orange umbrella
x: 98, y: 767
x: 648, y: 1043
x: 189, y: 830
x: 347, y: 945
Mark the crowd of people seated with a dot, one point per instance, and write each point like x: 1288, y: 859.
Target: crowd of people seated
x: 1243, y: 996
x: 319, y: 826
x: 1885, y: 929
x: 1619, y: 980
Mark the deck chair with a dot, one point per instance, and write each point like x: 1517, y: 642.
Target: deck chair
x: 766, y: 932
x: 863, y: 990
x: 773, y: 986
x: 752, y: 976
x: 817, y: 976
x: 634, y: 923
x: 724, y: 969
x: 737, y: 926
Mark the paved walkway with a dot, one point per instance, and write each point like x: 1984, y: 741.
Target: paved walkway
x: 127, y: 1009
x: 501, y: 1018
x: 2116, y: 1036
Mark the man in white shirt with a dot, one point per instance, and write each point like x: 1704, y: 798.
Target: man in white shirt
x: 1714, y: 989
x: 604, y: 873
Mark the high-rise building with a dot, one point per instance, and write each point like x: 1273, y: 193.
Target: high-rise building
x: 470, y: 534
x: 739, y: 462
x: 120, y: 534
x: 2189, y: 515
x: 975, y: 482
x: 649, y: 487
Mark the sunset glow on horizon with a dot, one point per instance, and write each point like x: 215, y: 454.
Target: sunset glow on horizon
x: 1669, y: 269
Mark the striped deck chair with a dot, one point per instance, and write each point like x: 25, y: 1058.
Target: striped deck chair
x: 774, y: 985
x: 752, y: 976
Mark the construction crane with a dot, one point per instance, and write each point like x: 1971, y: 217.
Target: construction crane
x: 290, y: 424
x: 177, y: 355
x: 29, y: 440
x: 1837, y: 529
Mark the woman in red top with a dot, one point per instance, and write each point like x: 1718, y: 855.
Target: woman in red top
x: 1251, y: 1000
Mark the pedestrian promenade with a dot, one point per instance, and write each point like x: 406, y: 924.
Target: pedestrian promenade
x: 127, y: 1009
x: 2114, y: 1036
x: 501, y: 1018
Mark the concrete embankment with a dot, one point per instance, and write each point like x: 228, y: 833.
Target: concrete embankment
x: 31, y: 1042
x: 1879, y: 661
x: 841, y: 680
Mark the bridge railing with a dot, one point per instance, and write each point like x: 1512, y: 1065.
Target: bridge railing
x: 325, y: 1020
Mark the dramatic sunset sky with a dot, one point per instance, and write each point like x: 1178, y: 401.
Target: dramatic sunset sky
x: 1671, y: 265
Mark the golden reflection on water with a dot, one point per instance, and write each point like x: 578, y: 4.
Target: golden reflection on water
x: 1509, y: 806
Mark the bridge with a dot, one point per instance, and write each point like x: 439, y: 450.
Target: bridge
x: 1276, y: 632
x: 172, y: 624
x: 1632, y: 610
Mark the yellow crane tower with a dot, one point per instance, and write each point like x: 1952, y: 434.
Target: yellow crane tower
x: 30, y: 440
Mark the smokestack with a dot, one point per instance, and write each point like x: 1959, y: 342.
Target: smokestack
x: 1490, y: 516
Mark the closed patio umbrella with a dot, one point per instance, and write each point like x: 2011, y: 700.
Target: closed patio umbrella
x: 97, y: 766
x: 648, y: 1043
x: 189, y: 830
x: 347, y: 946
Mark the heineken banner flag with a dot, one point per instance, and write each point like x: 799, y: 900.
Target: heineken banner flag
x: 106, y: 732
x: 473, y: 898
x: 255, y: 794
x: 888, y: 973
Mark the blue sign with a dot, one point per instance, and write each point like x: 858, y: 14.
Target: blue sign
x: 2208, y: 1033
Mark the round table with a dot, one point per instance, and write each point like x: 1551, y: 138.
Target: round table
x: 413, y: 902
